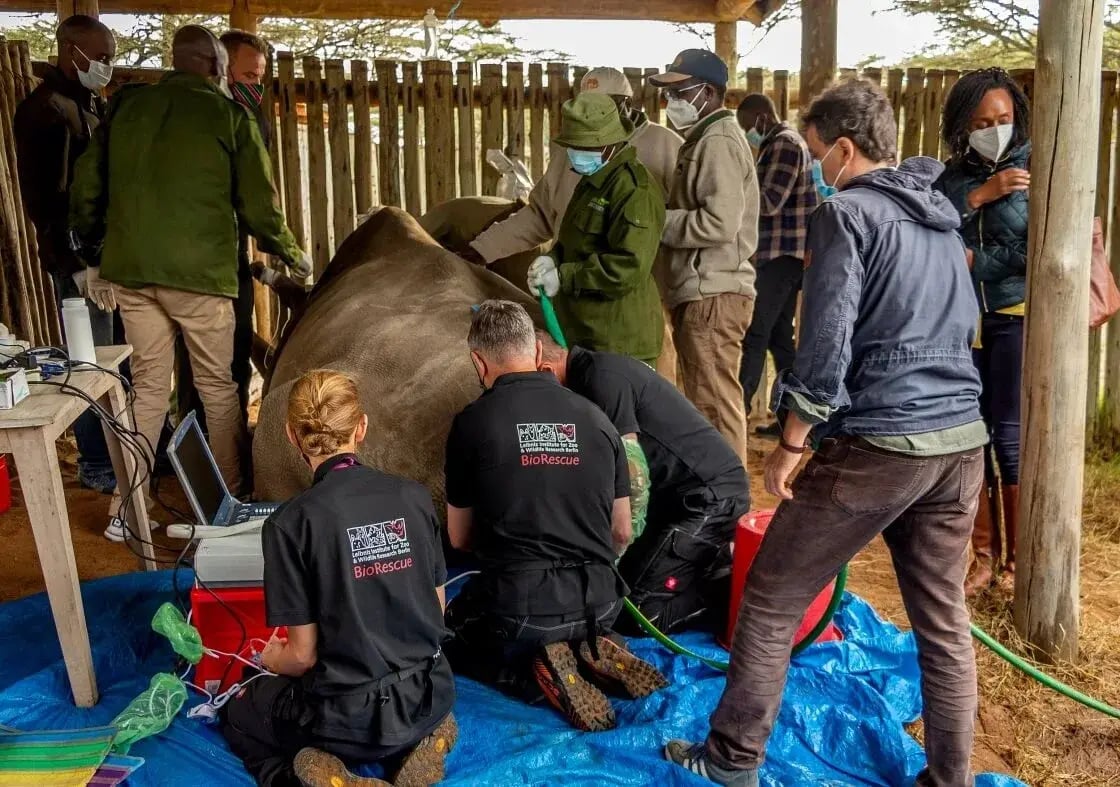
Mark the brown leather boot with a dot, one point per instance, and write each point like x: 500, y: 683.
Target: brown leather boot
x: 980, y: 575
x: 1010, y: 529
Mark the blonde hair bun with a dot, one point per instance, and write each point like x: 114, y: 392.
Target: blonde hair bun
x: 323, y: 411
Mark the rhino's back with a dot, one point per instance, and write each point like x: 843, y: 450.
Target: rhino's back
x: 396, y: 319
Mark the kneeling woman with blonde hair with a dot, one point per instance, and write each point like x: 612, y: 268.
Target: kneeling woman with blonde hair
x: 353, y: 568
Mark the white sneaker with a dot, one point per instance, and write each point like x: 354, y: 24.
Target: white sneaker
x: 115, y: 530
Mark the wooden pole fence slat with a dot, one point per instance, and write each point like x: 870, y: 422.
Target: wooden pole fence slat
x: 410, y: 105
x: 933, y: 100
x: 652, y: 97
x: 913, y: 117
x: 389, y: 133
x: 781, y: 93
x: 558, y: 92
x: 894, y: 93
x: 515, y: 111
x: 1095, y: 415
x: 342, y: 173
x: 491, y: 82
x: 874, y: 76
x: 951, y: 78
x: 439, y: 133
x: 756, y: 80
x: 464, y: 107
x: 536, y: 120
x: 363, y: 138
x: 1108, y: 432
x: 317, y: 182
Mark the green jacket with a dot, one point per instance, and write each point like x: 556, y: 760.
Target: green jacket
x: 605, y: 249
x: 166, y: 182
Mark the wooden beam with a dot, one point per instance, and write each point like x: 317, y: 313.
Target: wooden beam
x: 1064, y: 131
x: 818, y: 48
x: 482, y: 10
x: 727, y: 47
x: 68, y: 8
x: 732, y: 10
x: 241, y: 18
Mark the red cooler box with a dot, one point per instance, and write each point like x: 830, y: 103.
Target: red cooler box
x: 748, y: 538
x: 220, y: 630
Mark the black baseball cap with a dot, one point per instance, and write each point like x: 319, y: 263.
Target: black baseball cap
x: 694, y: 64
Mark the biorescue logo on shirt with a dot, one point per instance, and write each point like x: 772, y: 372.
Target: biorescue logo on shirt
x: 548, y: 444
x: 380, y: 548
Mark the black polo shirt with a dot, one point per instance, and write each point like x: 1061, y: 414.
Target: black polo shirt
x: 359, y: 555
x: 684, y: 451
x: 541, y: 468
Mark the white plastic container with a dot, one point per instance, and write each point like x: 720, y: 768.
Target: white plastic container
x: 79, y: 332
x: 10, y: 346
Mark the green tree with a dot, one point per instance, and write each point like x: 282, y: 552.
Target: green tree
x: 147, y: 42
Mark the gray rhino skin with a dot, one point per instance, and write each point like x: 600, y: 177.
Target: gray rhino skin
x: 392, y: 310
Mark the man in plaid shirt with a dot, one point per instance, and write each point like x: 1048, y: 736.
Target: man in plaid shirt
x: 786, y: 198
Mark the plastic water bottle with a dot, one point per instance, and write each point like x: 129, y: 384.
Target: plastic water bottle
x: 79, y: 332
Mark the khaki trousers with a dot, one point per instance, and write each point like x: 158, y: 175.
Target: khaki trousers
x: 708, y: 336
x: 152, y: 316
x: 667, y: 361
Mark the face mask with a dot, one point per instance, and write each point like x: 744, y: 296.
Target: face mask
x: 249, y: 96
x: 992, y: 142
x: 586, y: 162
x: 754, y: 137
x: 824, y: 189
x: 684, y: 114
x: 97, y: 76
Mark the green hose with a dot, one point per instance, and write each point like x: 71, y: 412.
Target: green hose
x: 553, y: 326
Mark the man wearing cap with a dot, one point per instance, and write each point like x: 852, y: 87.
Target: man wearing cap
x: 538, y: 222
x: 600, y: 270
x: 711, y: 230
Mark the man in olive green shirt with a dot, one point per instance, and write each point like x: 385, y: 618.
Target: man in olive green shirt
x: 170, y: 177
x: 600, y: 270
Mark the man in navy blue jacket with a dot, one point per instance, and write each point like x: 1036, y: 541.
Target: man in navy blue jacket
x: 884, y: 379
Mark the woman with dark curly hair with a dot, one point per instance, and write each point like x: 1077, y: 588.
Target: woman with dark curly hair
x: 985, y: 125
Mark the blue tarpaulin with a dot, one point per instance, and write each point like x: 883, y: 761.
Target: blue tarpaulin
x: 841, y: 721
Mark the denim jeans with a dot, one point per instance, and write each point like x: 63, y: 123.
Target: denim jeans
x: 848, y: 494
x: 778, y: 282
x: 1000, y: 361
x: 93, y: 454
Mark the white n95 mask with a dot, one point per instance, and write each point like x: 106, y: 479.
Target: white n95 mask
x: 992, y: 142
x: 97, y: 75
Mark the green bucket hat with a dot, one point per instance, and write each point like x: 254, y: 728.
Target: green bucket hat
x: 591, y: 120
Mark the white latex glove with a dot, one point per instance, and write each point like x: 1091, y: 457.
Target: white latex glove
x: 100, y: 291
x: 543, y: 275
x: 80, y: 281
x: 302, y: 268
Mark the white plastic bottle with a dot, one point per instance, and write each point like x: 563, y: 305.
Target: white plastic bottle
x: 79, y: 332
x: 10, y: 346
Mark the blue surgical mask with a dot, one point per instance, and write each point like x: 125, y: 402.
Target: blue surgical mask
x: 585, y: 162
x: 754, y: 137
x: 826, y: 190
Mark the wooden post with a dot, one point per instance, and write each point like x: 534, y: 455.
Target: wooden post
x: 652, y: 96
x: 874, y: 76
x: 727, y: 47
x: 1047, y: 579
x: 389, y: 132
x: 933, y: 100
x: 559, y: 91
x: 317, y: 185
x: 491, y: 92
x: 241, y: 18
x: 515, y: 111
x: 756, y: 80
x: 912, y: 101
x: 951, y: 78
x: 464, y: 105
x: 1108, y: 435
x: 439, y: 133
x: 342, y: 173
x: 894, y: 93
x: 818, y: 48
x: 410, y: 102
x: 1096, y: 422
x: 536, y: 120
x: 363, y: 138
x: 781, y: 94
x: 289, y: 146
x: 68, y: 8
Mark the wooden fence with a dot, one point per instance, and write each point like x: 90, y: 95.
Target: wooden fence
x: 353, y: 135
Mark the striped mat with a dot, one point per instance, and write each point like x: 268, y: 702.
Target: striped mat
x: 63, y: 758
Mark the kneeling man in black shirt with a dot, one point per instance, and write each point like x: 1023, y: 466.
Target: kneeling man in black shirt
x: 354, y: 568
x: 537, y: 489
x: 696, y: 489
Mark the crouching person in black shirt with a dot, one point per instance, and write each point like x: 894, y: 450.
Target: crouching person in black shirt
x: 353, y: 567
x: 688, y: 488
x: 537, y: 489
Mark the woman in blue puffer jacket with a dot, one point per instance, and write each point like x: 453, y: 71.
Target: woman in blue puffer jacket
x: 985, y: 125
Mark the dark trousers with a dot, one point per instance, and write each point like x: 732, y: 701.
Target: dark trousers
x: 778, y: 281
x: 847, y: 494
x: 1000, y: 361
x: 93, y: 454
x: 498, y: 650
x: 270, y: 722
x: 679, y: 570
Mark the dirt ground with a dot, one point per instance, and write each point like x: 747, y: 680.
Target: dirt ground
x: 1024, y: 730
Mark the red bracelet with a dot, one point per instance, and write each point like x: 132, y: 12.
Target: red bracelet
x: 793, y: 449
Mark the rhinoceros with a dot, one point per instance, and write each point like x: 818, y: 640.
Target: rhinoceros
x: 392, y: 309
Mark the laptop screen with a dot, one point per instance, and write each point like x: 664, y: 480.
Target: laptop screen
x: 200, y: 472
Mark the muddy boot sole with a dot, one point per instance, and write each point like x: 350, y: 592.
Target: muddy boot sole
x: 583, y: 704
x: 317, y: 768
x: 424, y: 765
x: 619, y: 670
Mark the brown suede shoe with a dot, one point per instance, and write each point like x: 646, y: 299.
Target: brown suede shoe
x: 316, y: 768
x: 557, y: 673
x: 619, y: 671
x: 423, y: 766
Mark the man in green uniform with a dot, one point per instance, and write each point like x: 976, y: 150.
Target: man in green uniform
x: 168, y: 180
x: 600, y: 270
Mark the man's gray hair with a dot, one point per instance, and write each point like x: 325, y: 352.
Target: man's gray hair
x: 502, y: 331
